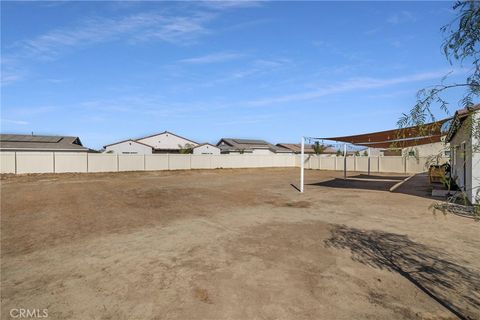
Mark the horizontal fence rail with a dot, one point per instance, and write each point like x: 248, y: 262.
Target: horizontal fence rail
x: 63, y: 162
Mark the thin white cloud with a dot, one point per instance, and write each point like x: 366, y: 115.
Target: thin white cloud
x: 349, y: 85
x: 19, y: 122
x: 213, y: 58
x: 257, y: 67
x: 401, y: 17
x: 335, y: 50
x: 9, y: 78
x: 373, y: 31
x: 22, y: 112
x: 10, y: 71
x: 55, y: 81
x: 229, y: 4
x: 138, y: 27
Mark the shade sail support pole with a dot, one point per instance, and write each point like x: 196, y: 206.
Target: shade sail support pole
x: 302, y: 164
x: 368, y: 154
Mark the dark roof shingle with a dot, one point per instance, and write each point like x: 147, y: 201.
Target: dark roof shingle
x: 235, y: 144
x: 38, y: 142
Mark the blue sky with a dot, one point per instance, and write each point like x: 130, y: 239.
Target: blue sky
x: 106, y: 71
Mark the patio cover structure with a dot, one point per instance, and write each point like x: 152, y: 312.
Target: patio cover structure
x: 396, y: 138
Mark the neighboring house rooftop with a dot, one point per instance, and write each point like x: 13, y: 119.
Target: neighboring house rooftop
x: 204, y: 144
x: 459, y: 117
x: 166, y: 132
x: 149, y: 136
x: 235, y: 144
x: 40, y: 143
x: 297, y: 148
x: 127, y: 140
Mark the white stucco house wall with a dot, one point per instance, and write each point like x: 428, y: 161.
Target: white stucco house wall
x: 206, y: 148
x: 128, y: 147
x: 164, y: 142
x: 464, y: 139
x: 167, y: 142
x: 440, y: 149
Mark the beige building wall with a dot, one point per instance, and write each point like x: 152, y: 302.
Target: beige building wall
x: 131, y: 162
x: 262, y: 152
x: 156, y: 162
x: 428, y: 150
x: 38, y: 162
x: 71, y: 162
x: 35, y: 162
x: 328, y: 163
x: 201, y: 161
x: 341, y: 164
x: 282, y: 160
x: 7, y: 162
x: 392, y: 164
x: 465, y: 156
x: 128, y: 147
x: 475, y: 176
x: 179, y: 161
x: 166, y: 140
x: 206, y: 149
x: 102, y: 162
x: 361, y: 164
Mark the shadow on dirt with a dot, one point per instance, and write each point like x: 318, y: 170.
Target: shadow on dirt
x: 455, y: 287
x: 418, y: 185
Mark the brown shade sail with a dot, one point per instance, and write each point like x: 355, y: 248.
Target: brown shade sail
x: 397, y: 138
x: 403, y: 143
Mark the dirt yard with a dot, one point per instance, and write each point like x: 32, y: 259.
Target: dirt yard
x: 233, y: 244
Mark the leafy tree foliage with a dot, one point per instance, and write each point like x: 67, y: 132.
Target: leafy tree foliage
x: 319, y: 148
x: 186, y: 149
x: 461, y: 46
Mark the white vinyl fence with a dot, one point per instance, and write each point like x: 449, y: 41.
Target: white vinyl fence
x: 373, y: 164
x: 58, y: 162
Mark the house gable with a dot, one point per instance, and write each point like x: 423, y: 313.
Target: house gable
x: 206, y: 148
x: 128, y: 147
x: 166, y: 141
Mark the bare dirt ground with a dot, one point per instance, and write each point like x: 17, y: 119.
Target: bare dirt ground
x: 233, y: 244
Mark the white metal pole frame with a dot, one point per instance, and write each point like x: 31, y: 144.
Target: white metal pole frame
x: 368, y: 154
x: 344, y: 161
x: 302, y: 163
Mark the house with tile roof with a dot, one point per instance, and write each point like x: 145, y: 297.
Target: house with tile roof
x: 308, y: 149
x: 249, y: 146
x: 30, y: 142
